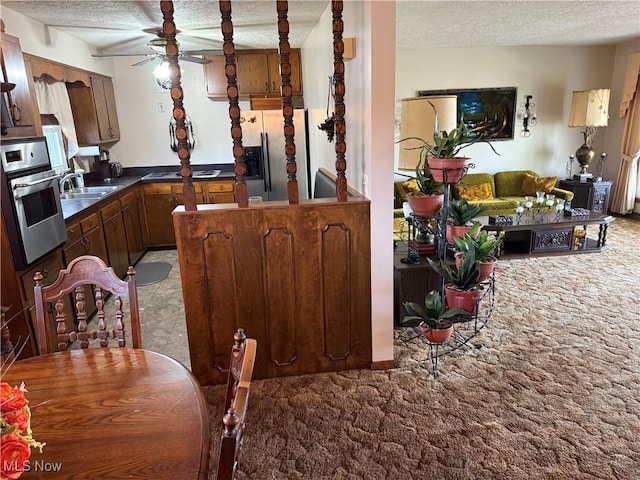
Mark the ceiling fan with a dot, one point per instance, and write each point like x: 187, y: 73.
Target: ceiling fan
x: 157, y: 46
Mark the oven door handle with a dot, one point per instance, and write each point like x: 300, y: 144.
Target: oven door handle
x: 31, y: 184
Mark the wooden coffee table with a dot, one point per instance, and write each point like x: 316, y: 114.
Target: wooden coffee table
x: 550, y: 234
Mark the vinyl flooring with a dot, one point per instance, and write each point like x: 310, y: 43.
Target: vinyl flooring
x: 161, y: 306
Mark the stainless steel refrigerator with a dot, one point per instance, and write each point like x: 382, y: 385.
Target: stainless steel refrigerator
x: 264, y: 142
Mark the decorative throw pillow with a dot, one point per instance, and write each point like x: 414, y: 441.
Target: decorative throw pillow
x: 411, y: 185
x: 531, y: 184
x: 481, y: 191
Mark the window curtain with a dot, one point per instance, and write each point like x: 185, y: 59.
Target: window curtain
x: 628, y: 181
x: 53, y: 99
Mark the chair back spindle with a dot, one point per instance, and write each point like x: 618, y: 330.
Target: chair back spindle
x: 86, y: 274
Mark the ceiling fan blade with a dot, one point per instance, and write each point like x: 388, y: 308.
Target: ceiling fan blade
x: 101, y: 55
x: 202, y: 52
x: 146, y: 60
x: 188, y: 58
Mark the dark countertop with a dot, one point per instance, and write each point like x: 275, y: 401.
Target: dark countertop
x: 74, y: 207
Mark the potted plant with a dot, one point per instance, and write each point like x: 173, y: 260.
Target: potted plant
x: 430, y: 197
x: 460, y: 212
x: 428, y: 200
x: 484, y: 246
x: 433, y: 318
x: 445, y: 164
x: 461, y: 286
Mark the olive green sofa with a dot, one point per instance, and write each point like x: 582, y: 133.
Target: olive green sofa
x: 506, y: 188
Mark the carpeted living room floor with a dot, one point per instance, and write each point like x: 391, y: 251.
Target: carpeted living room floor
x: 550, y: 389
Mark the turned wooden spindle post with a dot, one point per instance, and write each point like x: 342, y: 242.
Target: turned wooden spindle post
x: 286, y: 92
x: 229, y: 51
x: 177, y: 95
x: 338, y: 69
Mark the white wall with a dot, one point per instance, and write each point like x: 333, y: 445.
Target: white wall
x: 550, y: 74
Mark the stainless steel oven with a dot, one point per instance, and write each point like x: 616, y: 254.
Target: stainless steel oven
x: 30, y: 200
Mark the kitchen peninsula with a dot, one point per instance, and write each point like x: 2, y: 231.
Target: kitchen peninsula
x: 112, y: 225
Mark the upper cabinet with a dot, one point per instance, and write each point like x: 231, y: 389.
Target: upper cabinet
x: 258, y: 73
x: 94, y: 111
x: 19, y: 100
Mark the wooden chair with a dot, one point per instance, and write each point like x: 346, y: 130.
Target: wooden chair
x: 243, y: 356
x: 86, y: 270
x: 7, y: 352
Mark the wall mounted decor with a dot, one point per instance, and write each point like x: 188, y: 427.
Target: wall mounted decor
x: 489, y: 112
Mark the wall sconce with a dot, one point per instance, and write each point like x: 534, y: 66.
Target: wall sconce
x: 529, y: 118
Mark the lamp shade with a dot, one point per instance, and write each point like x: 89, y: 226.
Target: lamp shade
x: 590, y: 108
x: 417, y: 119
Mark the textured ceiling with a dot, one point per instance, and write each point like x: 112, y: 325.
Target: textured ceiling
x: 116, y: 26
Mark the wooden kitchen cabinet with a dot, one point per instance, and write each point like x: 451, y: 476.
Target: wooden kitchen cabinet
x: 49, y: 267
x: 160, y: 199
x: 296, y: 72
x: 115, y: 237
x: 215, y: 79
x: 86, y: 237
x: 20, y: 100
x: 21, y: 327
x: 94, y: 111
x: 221, y: 192
x: 253, y: 73
x: 258, y: 73
x: 131, y: 214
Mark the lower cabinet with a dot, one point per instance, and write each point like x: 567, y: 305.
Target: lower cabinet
x: 49, y: 267
x: 160, y: 199
x: 115, y: 237
x: 86, y: 237
x: 131, y: 214
x: 221, y: 192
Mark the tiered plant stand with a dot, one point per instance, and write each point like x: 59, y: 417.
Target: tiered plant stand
x: 465, y: 327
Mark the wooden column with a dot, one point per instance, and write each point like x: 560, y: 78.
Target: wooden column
x: 229, y: 51
x: 338, y: 74
x: 287, y: 105
x: 179, y: 114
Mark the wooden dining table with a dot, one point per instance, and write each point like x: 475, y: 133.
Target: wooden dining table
x: 114, y: 413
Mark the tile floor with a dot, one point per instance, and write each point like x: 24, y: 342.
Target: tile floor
x: 162, y: 311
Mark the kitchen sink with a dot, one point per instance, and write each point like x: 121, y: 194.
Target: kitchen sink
x: 102, y: 189
x: 88, y: 193
x: 85, y: 195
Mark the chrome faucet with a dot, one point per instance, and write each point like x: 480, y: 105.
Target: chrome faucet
x: 67, y: 180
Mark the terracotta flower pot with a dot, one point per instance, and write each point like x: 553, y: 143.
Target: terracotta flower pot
x: 447, y: 170
x: 425, y: 205
x: 458, y: 231
x: 438, y: 335
x: 468, y: 300
x: 486, y: 267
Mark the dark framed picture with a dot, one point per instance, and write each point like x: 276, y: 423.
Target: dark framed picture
x: 489, y: 112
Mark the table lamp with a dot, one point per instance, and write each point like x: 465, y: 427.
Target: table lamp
x: 417, y: 119
x: 589, y: 109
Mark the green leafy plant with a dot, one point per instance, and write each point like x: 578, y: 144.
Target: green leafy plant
x: 426, y: 183
x: 432, y: 315
x: 461, y: 212
x: 463, y: 278
x: 483, y: 246
x: 449, y: 144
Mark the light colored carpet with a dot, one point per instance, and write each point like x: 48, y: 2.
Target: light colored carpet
x: 549, y: 390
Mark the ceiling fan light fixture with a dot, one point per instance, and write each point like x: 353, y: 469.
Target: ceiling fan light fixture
x: 162, y: 73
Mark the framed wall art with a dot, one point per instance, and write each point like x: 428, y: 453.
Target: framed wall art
x: 489, y: 112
